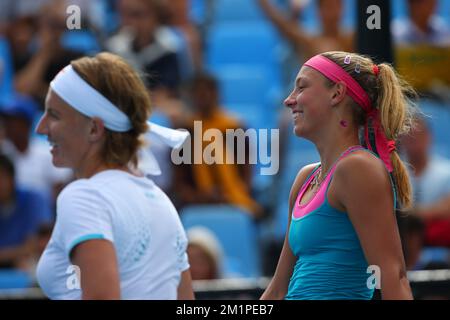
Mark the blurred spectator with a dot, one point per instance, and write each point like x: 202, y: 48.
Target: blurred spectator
x: 20, y: 34
x: 422, y: 26
x: 40, y: 67
x: 423, y: 48
x: 34, y: 168
x: 430, y: 179
x: 412, y: 231
x: 213, y: 183
x: 179, y: 20
x: 331, y: 38
x: 148, y: 46
x: 205, y: 254
x: 13, y: 9
x: 22, y: 214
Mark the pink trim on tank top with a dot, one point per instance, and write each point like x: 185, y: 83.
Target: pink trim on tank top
x: 319, y: 198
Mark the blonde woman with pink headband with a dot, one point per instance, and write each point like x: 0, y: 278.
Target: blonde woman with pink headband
x: 342, y: 241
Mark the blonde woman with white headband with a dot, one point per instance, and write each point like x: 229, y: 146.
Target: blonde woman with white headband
x: 117, y: 235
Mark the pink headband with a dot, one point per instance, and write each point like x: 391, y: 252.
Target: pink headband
x: 335, y: 73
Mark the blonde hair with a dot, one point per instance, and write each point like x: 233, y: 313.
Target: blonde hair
x: 394, y: 98
x: 116, y: 80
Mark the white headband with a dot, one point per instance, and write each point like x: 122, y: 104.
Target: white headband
x: 88, y: 101
x: 85, y: 99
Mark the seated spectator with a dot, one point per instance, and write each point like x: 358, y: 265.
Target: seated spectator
x: 13, y: 9
x: 422, y: 26
x: 423, y: 48
x: 430, y: 179
x: 34, y: 168
x: 205, y: 254
x: 412, y: 231
x: 148, y: 46
x: 40, y: 67
x: 22, y: 214
x: 179, y: 20
x: 20, y: 34
x: 213, y: 183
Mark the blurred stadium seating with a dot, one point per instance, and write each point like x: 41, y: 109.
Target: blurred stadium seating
x: 236, y: 10
x: 249, y: 93
x: 235, y: 230
x: 6, y: 72
x: 14, y: 279
x: 82, y: 41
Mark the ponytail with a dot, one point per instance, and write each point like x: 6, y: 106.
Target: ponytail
x: 394, y: 97
x: 394, y: 101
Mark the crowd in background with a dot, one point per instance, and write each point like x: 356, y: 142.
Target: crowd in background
x: 173, y: 45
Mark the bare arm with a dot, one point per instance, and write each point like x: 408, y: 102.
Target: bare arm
x: 289, y: 28
x: 99, y: 271
x: 29, y: 79
x: 278, y: 286
x: 185, y: 291
x: 363, y: 188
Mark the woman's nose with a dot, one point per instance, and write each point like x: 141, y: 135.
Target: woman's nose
x: 290, y: 101
x: 41, y: 127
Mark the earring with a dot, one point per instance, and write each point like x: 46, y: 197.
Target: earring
x: 343, y: 123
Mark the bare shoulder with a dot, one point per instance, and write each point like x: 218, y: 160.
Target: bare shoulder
x: 360, y: 164
x: 361, y: 172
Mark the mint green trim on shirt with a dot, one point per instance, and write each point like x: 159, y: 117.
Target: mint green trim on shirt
x: 85, y: 238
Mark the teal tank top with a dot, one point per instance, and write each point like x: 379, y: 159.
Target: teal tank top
x: 330, y: 261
